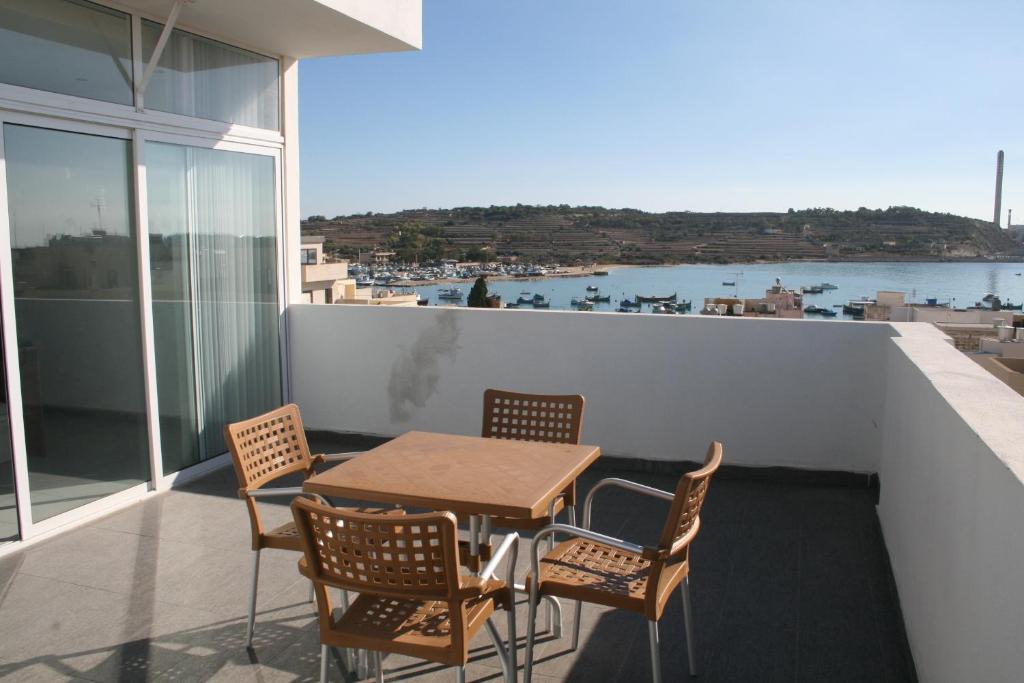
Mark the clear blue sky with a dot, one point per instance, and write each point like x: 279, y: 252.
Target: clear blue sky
x: 703, y: 105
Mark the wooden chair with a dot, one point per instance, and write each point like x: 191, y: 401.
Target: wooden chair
x: 413, y: 600
x: 534, y: 417
x: 264, y: 449
x: 591, y: 567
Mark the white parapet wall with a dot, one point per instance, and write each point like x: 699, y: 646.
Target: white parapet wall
x: 945, y: 437
x: 805, y: 394
x: 952, y: 509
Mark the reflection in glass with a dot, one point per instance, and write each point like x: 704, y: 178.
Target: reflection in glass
x: 77, y: 312
x: 207, y: 79
x: 66, y: 46
x: 9, y: 530
x: 214, y: 264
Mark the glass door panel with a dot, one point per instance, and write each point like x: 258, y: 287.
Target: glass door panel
x: 213, y: 220
x: 9, y: 529
x: 73, y: 248
x: 169, y: 249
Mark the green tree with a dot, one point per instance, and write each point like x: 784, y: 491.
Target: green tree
x: 478, y: 295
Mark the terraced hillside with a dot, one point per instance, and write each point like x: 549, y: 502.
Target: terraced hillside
x: 568, y: 235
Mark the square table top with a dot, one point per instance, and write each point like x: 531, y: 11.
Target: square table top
x: 468, y: 474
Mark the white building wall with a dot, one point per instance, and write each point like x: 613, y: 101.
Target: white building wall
x: 952, y: 509
x: 779, y: 392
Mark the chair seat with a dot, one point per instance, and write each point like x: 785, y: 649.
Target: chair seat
x: 286, y: 536
x: 416, y: 628
x: 579, y: 569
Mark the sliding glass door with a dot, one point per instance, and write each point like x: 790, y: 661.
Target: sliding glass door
x: 76, y: 294
x: 9, y: 530
x: 213, y: 244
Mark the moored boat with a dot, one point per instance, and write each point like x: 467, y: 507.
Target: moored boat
x: 599, y: 299
x: 541, y: 304
x: 828, y: 285
x: 591, y: 288
x: 827, y: 312
x: 451, y: 294
x: 663, y: 309
x: 655, y: 299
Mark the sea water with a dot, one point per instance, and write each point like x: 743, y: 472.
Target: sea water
x: 960, y: 284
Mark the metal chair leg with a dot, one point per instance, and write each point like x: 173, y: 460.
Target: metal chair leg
x: 377, y: 665
x: 513, y: 642
x: 492, y: 631
x: 652, y: 632
x: 691, y: 647
x: 531, y: 632
x: 576, y: 625
x: 323, y: 664
x: 362, y: 664
x: 460, y: 674
x: 554, y: 618
x: 252, y: 599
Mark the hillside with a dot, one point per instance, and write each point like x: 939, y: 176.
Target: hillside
x: 567, y: 235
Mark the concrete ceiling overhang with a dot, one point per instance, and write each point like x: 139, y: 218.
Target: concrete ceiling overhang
x: 301, y: 28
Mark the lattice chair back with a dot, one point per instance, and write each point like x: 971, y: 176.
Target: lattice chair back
x: 413, y: 556
x: 268, y: 446
x: 263, y: 449
x: 533, y: 417
x: 684, y: 515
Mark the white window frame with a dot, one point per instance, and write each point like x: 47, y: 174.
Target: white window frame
x: 27, y: 106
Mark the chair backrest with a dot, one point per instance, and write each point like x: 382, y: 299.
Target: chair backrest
x: 409, y: 556
x: 268, y: 446
x: 684, y: 513
x: 533, y: 417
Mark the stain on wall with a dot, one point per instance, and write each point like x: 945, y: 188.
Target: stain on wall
x: 415, y: 374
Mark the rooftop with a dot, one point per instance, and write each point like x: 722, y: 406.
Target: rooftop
x: 791, y: 582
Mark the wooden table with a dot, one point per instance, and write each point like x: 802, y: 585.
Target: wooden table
x: 468, y: 474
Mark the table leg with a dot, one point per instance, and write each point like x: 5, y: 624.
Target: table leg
x: 474, y: 538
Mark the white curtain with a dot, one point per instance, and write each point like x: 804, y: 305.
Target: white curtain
x: 200, y: 77
x: 235, y: 261
x: 212, y: 219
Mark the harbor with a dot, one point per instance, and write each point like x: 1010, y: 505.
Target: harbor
x: 831, y: 290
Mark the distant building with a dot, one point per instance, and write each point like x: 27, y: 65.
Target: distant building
x: 377, y: 258
x: 329, y: 283
x: 322, y: 283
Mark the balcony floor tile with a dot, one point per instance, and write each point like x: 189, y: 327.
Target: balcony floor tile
x: 790, y: 581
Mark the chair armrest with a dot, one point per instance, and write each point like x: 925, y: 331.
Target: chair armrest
x: 291, y: 491
x: 510, y: 541
x: 337, y: 457
x: 623, y: 484
x: 578, y: 533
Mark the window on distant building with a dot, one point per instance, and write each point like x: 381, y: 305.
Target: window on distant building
x: 309, y: 257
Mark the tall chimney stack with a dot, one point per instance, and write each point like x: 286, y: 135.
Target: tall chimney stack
x: 999, y: 188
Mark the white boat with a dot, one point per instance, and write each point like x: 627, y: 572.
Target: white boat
x: 451, y: 294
